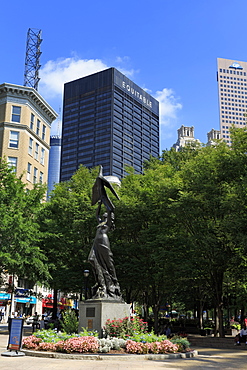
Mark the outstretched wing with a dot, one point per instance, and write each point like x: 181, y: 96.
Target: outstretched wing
x: 99, y: 192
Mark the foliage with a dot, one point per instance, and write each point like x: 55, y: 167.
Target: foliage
x: 85, y: 333
x: 51, y: 335
x: 182, y: 343
x: 165, y: 346
x: 180, y: 231
x: 31, y: 342
x: 124, y: 328
x: 106, y: 344
x: 209, y: 324
x: 69, y: 322
x: 72, y: 344
x: 20, y: 253
x: 68, y: 225
x: 145, y: 238
x: 81, y: 344
x: 147, y: 337
x: 50, y: 340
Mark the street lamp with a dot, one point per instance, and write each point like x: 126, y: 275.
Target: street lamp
x: 86, y: 274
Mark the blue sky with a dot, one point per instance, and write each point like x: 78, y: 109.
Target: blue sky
x: 167, y: 47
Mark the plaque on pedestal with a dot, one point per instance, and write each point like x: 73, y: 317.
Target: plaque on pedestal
x: 94, y: 313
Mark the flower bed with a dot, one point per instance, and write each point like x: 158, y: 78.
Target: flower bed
x: 49, y: 340
x: 125, y: 328
x: 76, y: 344
x: 164, y: 346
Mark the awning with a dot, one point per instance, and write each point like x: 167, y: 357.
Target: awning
x: 7, y: 297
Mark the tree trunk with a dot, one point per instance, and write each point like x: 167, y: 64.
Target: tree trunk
x: 156, y: 309
x: 219, y: 325
x: 128, y: 292
x: 145, y: 306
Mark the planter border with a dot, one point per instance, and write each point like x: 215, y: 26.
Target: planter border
x: 101, y: 356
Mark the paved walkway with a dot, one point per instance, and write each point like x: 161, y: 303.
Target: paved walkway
x: 226, y: 359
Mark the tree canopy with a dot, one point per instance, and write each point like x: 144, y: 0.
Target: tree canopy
x: 67, y: 223
x: 20, y: 253
x: 180, y: 228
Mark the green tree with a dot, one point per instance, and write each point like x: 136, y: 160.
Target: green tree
x: 19, y: 230
x: 209, y: 209
x: 144, y: 240
x: 68, y: 225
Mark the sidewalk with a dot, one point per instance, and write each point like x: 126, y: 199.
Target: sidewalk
x: 208, y: 357
x: 214, y: 342
x: 68, y: 361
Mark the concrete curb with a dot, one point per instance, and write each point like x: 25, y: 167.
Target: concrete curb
x: 101, y: 356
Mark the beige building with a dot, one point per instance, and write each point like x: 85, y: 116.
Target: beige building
x: 25, y: 122
x: 232, y: 90
x: 213, y: 136
x: 185, y: 137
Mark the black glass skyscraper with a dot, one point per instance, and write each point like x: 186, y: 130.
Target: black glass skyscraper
x: 108, y: 120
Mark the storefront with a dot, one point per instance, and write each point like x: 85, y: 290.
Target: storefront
x: 62, y: 304
x: 23, y: 303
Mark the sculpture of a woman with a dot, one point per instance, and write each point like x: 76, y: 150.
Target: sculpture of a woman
x: 100, y: 256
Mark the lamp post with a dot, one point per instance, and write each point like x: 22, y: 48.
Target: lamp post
x: 86, y: 274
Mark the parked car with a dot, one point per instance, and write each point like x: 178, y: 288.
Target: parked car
x: 29, y: 320
x: 47, y: 320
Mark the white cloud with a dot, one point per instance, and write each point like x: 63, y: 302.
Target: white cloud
x: 57, y: 72
x: 54, y: 74
x: 122, y: 59
x: 169, y: 106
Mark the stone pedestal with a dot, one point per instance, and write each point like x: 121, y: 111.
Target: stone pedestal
x: 94, y: 313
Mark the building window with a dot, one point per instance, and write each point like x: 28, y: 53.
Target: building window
x: 42, y: 156
x: 14, y: 139
x: 43, y: 132
x: 35, y: 173
x: 29, y: 171
x: 30, y: 148
x: 12, y: 163
x: 36, y: 154
x: 16, y: 114
x: 41, y: 177
x: 32, y: 121
x: 38, y: 127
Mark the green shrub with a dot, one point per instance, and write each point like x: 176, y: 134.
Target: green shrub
x: 69, y: 322
x: 147, y: 337
x: 88, y: 333
x: 182, y: 343
x: 51, y: 335
x: 50, y: 340
x: 125, y: 328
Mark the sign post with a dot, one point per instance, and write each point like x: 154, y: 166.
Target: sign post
x: 15, y: 338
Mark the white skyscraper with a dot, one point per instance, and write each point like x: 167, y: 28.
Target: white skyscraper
x: 232, y: 92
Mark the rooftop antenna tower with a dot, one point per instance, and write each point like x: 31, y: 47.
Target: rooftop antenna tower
x: 32, y: 66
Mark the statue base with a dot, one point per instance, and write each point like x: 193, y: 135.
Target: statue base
x: 93, y: 313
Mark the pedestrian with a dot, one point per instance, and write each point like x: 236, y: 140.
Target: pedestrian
x: 9, y: 323
x: 42, y: 323
x: 242, y: 336
x: 35, y: 322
